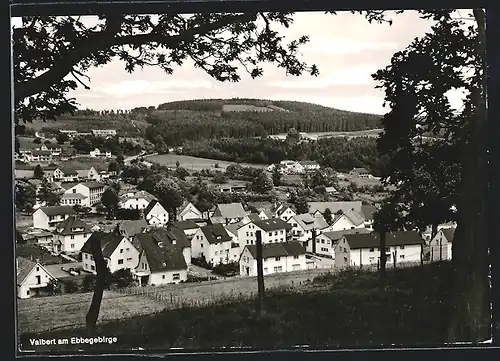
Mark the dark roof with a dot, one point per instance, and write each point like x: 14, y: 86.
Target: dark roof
x: 165, y: 258
x: 130, y: 228
x: 69, y: 225
x: 336, y: 235
x: 272, y: 224
x: 216, y: 233
x: 68, y: 170
x: 231, y: 210
x: 368, y: 211
x: 24, y: 267
x: 334, y: 206
x: 73, y: 196
x: 184, y: 225
x: 41, y: 152
x: 449, y: 233
x: 170, y: 237
x: 92, y: 184
x: 253, y: 217
x: 360, y: 170
x: 371, y: 240
x: 109, y: 242
x: 283, y: 249
x: 58, y: 210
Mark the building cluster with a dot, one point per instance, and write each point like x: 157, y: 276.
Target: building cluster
x: 294, y: 166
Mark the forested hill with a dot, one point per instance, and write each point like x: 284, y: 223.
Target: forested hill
x: 176, y: 122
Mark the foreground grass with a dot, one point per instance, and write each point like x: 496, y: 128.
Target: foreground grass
x: 345, y: 309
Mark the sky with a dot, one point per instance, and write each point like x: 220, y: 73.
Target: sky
x: 346, y: 48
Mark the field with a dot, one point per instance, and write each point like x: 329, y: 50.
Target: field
x: 69, y: 310
x: 346, y: 309
x: 63, y: 311
x: 194, y: 163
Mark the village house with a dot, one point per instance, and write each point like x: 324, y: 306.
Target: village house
x: 155, y: 214
x: 96, y: 153
x: 189, y: 227
x: 334, y: 207
x: 188, y: 211
x: 232, y: 230
x: 213, y: 243
x: 347, y: 220
x: 71, y: 174
x: 54, y: 149
x: 226, y: 213
x: 266, y: 214
x: 209, y: 213
x: 137, y: 200
x: 90, y: 174
x: 303, y: 226
x: 32, y: 278
x: 36, y: 155
x: 368, y: 212
x: 106, y: 133
x: 441, y: 245
x: 70, y: 133
x: 282, y: 211
x: 276, y: 258
x: 309, y: 165
x: 49, y: 217
x: 159, y: 263
x: 401, y: 246
x: 361, y: 173
x: 85, y: 194
x: 173, y: 238
x: 70, y: 235
x: 333, y: 245
x: 129, y: 228
x: 117, y: 250
x: 272, y: 230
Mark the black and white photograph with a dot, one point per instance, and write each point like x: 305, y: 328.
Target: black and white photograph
x: 264, y: 180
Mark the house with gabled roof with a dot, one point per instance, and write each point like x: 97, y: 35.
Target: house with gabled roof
x: 441, y: 245
x: 266, y: 214
x: 368, y: 212
x: 228, y: 213
x: 85, y: 194
x: 137, y: 200
x: 303, y: 226
x: 189, y: 227
x: 403, y: 246
x: 272, y: 230
x: 309, y: 165
x: 276, y: 258
x: 156, y: 214
x: 49, y: 217
x: 117, y: 250
x: 173, y: 238
x: 332, y: 245
x: 361, y: 173
x: 346, y: 220
x: 130, y: 227
x: 70, y: 235
x: 159, y: 263
x: 31, y: 277
x: 334, y: 207
x: 282, y: 211
x: 213, y: 243
x: 188, y: 211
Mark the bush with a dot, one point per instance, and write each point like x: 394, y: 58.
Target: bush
x: 70, y: 286
x: 201, y: 262
x: 121, y: 278
x: 88, y: 283
x: 227, y: 270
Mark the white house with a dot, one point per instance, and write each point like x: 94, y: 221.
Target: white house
x: 159, y: 263
x: 54, y: 149
x: 137, y: 200
x: 70, y: 235
x: 189, y: 227
x: 309, y: 165
x: 303, y: 226
x: 49, y: 217
x: 104, y: 132
x: 214, y: 244
x: 90, y: 174
x: 334, y: 207
x: 96, y: 153
x: 130, y: 227
x: 361, y: 173
x: 368, y: 212
x: 276, y: 258
x: 70, y: 174
x: 31, y: 277
x: 228, y: 213
x: 188, y: 211
x: 333, y: 245
x: 282, y: 211
x: 156, y: 214
x: 403, y: 246
x: 441, y: 244
x: 272, y: 230
x: 85, y: 194
x: 117, y: 250
x: 348, y: 220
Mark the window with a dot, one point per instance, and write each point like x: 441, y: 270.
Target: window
x: 247, y: 234
x: 295, y: 257
x: 277, y: 258
x: 270, y: 234
x: 127, y: 249
x: 323, y: 241
x: 265, y: 269
x: 345, y: 259
x: 38, y: 269
x: 216, y: 253
x: 372, y: 250
x: 92, y: 267
x: 72, y: 245
x: 27, y: 292
x: 129, y: 259
x: 121, y: 250
x: 402, y: 256
x: 163, y: 276
x: 278, y: 269
x: 72, y: 236
x: 120, y: 261
x: 201, y: 245
x: 86, y: 256
x: 401, y: 247
x: 276, y: 233
x: 176, y: 276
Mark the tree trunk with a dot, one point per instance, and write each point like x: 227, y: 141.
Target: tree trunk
x: 260, y: 273
x: 383, y: 260
x: 100, y: 285
x: 471, y: 308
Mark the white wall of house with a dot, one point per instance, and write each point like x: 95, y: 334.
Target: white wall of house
x: 157, y: 216
x: 440, y: 248
x: 367, y: 256
x: 71, y: 243
x: 125, y: 256
x: 42, y: 221
x: 160, y: 277
x: 247, y: 235
x: 285, y: 216
x: 37, y: 278
x: 134, y: 203
x: 248, y: 264
x: 199, y: 245
x: 344, y: 223
x: 190, y: 212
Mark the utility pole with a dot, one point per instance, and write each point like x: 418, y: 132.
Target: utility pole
x: 260, y: 273
x: 383, y: 259
x: 440, y: 249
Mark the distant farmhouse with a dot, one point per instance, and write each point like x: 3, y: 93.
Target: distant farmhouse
x: 104, y: 132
